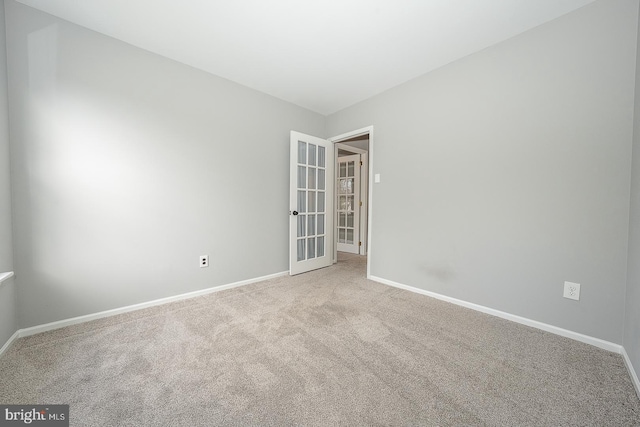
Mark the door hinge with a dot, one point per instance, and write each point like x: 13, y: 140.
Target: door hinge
x: 360, y: 202
x: 359, y: 243
x: 360, y: 162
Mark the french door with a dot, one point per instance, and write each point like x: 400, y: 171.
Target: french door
x: 348, y: 204
x: 310, y: 203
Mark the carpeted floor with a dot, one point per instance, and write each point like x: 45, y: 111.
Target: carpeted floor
x: 323, y: 348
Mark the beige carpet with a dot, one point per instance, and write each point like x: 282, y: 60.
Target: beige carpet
x: 323, y: 348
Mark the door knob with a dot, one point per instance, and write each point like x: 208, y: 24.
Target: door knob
x: 295, y: 212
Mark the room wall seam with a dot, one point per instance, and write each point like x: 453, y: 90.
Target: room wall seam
x: 632, y: 372
x: 11, y: 186
x: 6, y: 59
x: 10, y: 277
x: 633, y: 137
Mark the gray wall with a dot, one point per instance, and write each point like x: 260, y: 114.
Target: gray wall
x: 513, y: 163
x: 127, y: 166
x: 8, y: 323
x: 632, y: 312
x: 507, y: 172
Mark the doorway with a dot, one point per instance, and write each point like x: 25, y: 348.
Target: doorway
x: 313, y: 235
x: 353, y: 193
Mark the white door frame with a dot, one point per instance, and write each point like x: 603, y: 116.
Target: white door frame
x: 354, y: 150
x: 369, y: 243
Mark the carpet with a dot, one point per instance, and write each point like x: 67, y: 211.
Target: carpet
x: 324, y: 348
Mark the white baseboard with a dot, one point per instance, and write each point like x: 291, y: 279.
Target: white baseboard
x: 606, y: 345
x: 632, y: 372
x: 108, y: 313
x: 10, y: 341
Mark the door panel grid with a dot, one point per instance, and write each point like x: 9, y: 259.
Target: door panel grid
x: 348, y: 203
x: 311, y: 202
x: 311, y: 222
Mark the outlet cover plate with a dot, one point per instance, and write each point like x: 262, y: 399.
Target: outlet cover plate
x: 204, y: 261
x: 571, y: 290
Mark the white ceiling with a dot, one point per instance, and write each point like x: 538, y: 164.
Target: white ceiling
x: 323, y: 55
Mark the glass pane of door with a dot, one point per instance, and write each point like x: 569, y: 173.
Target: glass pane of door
x: 301, y: 226
x: 302, y: 152
x: 301, y: 250
x: 302, y: 177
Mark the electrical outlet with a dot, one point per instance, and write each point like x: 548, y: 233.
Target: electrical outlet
x: 571, y: 290
x: 204, y: 261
